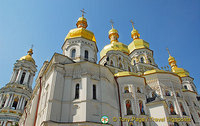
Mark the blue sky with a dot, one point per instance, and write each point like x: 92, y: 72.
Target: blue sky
x: 163, y: 23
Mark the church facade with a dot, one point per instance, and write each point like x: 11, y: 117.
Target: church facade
x: 126, y: 86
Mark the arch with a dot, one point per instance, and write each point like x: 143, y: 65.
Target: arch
x: 77, y: 91
x: 129, y: 68
x: 138, y: 90
x: 143, y: 124
x: 182, y: 109
x: 120, y: 66
x: 128, y: 108
x: 111, y: 63
x: 185, y: 86
x: 14, y: 105
x: 131, y: 124
x: 187, y: 124
x: 86, y: 54
x: 141, y: 106
x: 150, y: 61
x: 9, y: 123
x: 142, y: 59
x: 94, y: 92
x: 22, y: 78
x: 171, y: 107
x: 126, y: 89
x: 73, y: 53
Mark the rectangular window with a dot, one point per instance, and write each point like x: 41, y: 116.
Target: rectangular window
x: 94, y: 92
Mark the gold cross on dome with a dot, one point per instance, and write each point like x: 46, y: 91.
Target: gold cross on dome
x: 111, y: 21
x: 83, y: 12
x: 132, y: 23
x: 168, y: 51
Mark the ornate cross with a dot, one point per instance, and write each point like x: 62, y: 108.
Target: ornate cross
x: 111, y: 22
x: 132, y: 23
x: 83, y: 12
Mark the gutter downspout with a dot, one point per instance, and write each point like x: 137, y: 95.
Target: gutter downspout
x: 120, y: 111
x: 38, y: 102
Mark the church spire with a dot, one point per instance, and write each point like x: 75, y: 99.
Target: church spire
x: 82, y: 22
x: 113, y: 34
x: 134, y: 32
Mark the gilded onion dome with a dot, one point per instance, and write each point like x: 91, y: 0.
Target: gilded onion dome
x: 114, y: 44
x: 28, y: 57
x: 81, y: 31
x: 180, y: 71
x: 137, y: 43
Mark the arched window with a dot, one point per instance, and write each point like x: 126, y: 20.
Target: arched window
x: 167, y: 93
x: 129, y: 68
x: 73, y: 53
x: 171, y: 107
x: 29, y: 78
x: 14, y: 105
x: 150, y: 61
x: 77, y: 91
x: 3, y: 102
x: 111, y: 63
x: 138, y: 90
x: 182, y: 109
x: 185, y: 87
x: 141, y: 106
x: 134, y: 62
x: 86, y: 54
x: 187, y: 124
x: 16, y: 75
x: 126, y: 89
x: 94, y: 92
x: 25, y: 103
x: 22, y: 78
x: 128, y: 107
x: 142, y: 60
x: 120, y: 66
x: 176, y: 124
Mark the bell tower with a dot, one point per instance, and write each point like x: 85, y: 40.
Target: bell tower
x: 15, y: 95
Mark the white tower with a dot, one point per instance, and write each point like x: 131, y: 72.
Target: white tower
x: 14, y: 96
x: 80, y: 43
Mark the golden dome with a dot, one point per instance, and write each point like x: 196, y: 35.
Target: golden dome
x: 114, y: 46
x: 28, y: 57
x: 134, y: 33
x: 179, y: 71
x: 138, y: 44
x: 81, y: 31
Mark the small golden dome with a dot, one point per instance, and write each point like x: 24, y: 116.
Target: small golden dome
x: 28, y: 57
x: 138, y: 44
x: 82, y: 22
x: 113, y: 32
x: 134, y: 33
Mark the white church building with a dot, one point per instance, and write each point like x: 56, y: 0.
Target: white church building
x: 72, y: 89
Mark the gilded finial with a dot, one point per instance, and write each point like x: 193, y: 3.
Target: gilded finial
x: 83, y: 12
x: 132, y: 23
x: 168, y: 51
x: 30, y: 52
x: 111, y: 21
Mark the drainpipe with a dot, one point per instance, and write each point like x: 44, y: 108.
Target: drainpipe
x: 36, y: 113
x: 120, y: 111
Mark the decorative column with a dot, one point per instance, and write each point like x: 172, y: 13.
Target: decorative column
x: 26, y: 77
x: 7, y: 100
x: 11, y: 99
x: 31, y: 81
x: 1, y: 100
x: 19, y: 75
x: 23, y: 103
x: 20, y: 100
